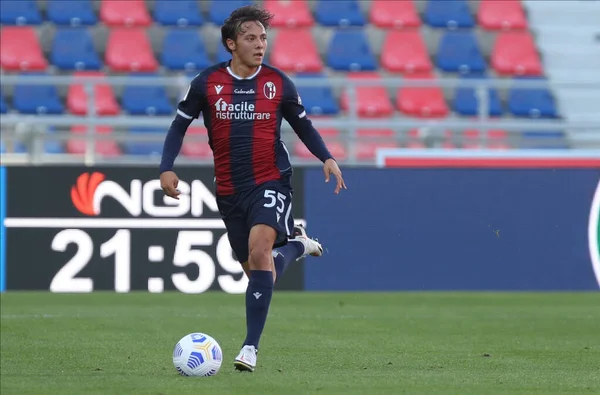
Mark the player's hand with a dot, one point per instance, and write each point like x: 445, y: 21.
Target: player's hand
x: 331, y: 167
x: 168, y: 183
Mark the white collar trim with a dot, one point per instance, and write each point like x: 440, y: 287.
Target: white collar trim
x: 241, y: 78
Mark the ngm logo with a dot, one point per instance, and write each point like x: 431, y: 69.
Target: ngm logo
x: 239, y: 111
x: 594, y: 233
x: 91, y: 189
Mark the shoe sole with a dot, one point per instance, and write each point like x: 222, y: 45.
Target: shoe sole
x: 243, y: 367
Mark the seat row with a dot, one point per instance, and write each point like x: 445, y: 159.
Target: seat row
x: 490, y: 14
x: 130, y: 50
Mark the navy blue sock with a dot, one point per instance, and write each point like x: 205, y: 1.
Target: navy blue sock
x: 287, y: 254
x: 258, y: 299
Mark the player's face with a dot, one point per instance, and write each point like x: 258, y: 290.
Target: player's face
x: 251, y: 45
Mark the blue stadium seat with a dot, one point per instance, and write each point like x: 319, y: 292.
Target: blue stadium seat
x: 53, y: 146
x: 339, y: 13
x: 448, y: 13
x: 19, y: 12
x: 222, y: 54
x: 531, y: 103
x: 183, y: 50
x: 349, y: 50
x: 146, y: 100
x: 3, y: 106
x: 73, y: 49
x: 459, y: 52
x: 72, y: 13
x: 37, y: 99
x: 17, y: 147
x: 317, y: 100
x: 144, y: 148
x: 467, y: 103
x: 220, y: 10
x: 177, y: 13
x: 544, y: 139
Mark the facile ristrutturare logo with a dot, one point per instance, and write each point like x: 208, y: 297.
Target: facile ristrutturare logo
x: 594, y: 233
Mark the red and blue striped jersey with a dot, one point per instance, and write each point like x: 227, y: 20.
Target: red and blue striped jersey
x: 243, y: 118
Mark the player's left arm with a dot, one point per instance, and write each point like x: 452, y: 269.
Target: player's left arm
x: 295, y: 113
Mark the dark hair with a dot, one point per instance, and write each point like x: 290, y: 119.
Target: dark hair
x: 233, y: 24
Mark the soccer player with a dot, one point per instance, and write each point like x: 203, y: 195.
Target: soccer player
x: 243, y: 102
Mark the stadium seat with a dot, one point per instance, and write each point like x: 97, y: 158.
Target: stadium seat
x: 289, y: 13
x: 495, y: 139
x: 448, y: 13
x: 3, y: 105
x: 302, y: 56
x: 73, y: 49
x: 14, y: 147
x: 19, y: 12
x: 371, y: 101
x: 146, y: 99
x: 103, y: 147
x: 531, y: 103
x: 104, y: 98
x: 124, y: 13
x: 218, y: 11
x: 339, y: 13
x: 331, y: 137
x: 466, y: 101
x: 177, y: 13
x: 317, y: 100
x: 426, y: 102
x: 128, y: 49
x: 405, y: 51
x: 37, y: 99
x: 53, y: 145
x: 397, y: 14
x: 196, y: 149
x: 370, y: 140
x: 73, y: 13
x: 20, y: 49
x: 543, y: 139
x: 222, y: 54
x: 349, y: 50
x: 183, y: 49
x: 514, y: 53
x: 459, y: 52
x: 145, y: 147
x: 501, y: 15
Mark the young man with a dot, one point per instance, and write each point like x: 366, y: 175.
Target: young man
x: 243, y: 102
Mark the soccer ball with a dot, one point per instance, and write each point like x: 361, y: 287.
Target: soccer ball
x: 197, y: 354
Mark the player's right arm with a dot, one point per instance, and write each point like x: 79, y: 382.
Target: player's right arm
x: 189, y: 108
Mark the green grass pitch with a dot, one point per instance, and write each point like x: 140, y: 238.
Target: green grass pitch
x: 321, y: 343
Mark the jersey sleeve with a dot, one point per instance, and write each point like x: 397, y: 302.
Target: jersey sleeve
x: 194, y: 100
x: 294, y: 112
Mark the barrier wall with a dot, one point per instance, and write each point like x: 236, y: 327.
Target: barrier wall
x: 76, y: 229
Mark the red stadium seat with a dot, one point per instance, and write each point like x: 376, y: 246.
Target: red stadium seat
x: 129, y: 50
x: 124, y: 13
x: 501, y: 15
x: 289, y: 13
x: 77, y: 101
x: 371, y: 101
x: 196, y: 149
x: 294, y: 50
x: 405, y: 51
x: 515, y: 53
x: 370, y: 140
x: 496, y: 139
x: 103, y: 147
x: 20, y: 49
x: 425, y: 102
x: 393, y: 13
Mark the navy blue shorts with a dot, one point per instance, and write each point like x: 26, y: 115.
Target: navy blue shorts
x: 269, y: 204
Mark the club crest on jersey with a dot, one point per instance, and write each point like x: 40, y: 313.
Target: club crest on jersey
x: 269, y: 90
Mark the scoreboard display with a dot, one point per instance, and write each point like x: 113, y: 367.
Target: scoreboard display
x: 74, y: 229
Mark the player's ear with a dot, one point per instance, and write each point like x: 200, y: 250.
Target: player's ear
x: 231, y: 44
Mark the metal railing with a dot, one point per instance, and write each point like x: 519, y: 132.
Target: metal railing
x: 32, y: 127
